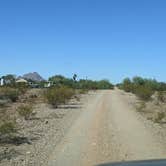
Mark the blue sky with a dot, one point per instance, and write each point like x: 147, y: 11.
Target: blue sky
x: 94, y: 38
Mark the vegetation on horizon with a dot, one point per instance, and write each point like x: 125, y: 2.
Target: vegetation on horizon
x: 142, y: 87
x: 59, y: 80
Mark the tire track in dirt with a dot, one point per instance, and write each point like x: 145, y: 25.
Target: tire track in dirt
x: 108, y: 130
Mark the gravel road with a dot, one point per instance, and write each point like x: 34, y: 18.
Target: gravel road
x: 108, y: 129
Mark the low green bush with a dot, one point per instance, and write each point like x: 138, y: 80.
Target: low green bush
x: 58, y: 95
x: 161, y: 97
x: 22, y: 87
x: 141, y: 107
x: 159, y: 117
x: 142, y: 87
x: 25, y: 111
x: 82, y: 91
x: 144, y: 93
x: 127, y: 85
x: 7, y: 128
x: 9, y: 93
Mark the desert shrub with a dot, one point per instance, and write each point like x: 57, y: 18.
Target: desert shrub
x: 141, y: 107
x: 142, y: 87
x: 161, y: 96
x: 82, y: 91
x: 144, y: 92
x: 22, y: 87
x: 25, y: 111
x: 3, y: 103
x: 9, y: 93
x: 104, y: 84
x: 67, y: 92
x: 127, y: 85
x: 7, y: 128
x: 33, y: 96
x: 59, y: 95
x: 161, y: 86
x: 77, y: 98
x: 159, y: 117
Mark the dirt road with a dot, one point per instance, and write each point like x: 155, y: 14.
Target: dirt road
x: 108, y: 129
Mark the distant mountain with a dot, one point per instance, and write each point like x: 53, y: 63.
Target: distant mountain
x: 33, y: 76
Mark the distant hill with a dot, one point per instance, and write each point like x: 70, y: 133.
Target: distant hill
x: 33, y: 76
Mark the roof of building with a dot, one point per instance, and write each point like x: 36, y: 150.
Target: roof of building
x: 22, y: 80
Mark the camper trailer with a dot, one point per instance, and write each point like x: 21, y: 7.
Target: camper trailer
x: 1, y: 81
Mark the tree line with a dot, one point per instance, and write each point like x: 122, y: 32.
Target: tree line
x: 142, y: 87
x: 88, y: 84
x: 60, y: 80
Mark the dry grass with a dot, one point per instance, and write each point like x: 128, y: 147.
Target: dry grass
x: 7, y: 127
x: 159, y: 117
x: 161, y: 96
x: 141, y: 107
x: 7, y: 93
x: 25, y: 111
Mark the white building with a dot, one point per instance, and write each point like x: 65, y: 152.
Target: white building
x: 21, y: 81
x: 48, y: 84
x: 1, y: 81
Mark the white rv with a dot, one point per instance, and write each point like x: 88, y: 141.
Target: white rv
x: 1, y: 81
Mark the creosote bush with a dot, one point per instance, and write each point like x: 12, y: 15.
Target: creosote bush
x: 161, y: 96
x: 9, y: 93
x: 58, y: 95
x: 22, y: 87
x: 141, y: 107
x: 159, y: 117
x: 25, y: 111
x: 143, y: 88
x: 82, y: 91
x: 7, y: 127
x: 144, y: 92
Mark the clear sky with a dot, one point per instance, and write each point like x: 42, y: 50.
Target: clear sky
x: 94, y: 38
